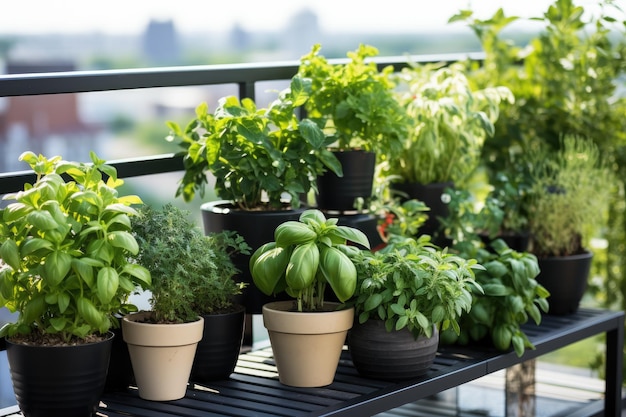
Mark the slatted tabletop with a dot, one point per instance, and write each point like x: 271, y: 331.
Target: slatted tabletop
x: 254, y: 390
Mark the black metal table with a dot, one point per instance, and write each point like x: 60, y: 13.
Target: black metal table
x: 254, y: 390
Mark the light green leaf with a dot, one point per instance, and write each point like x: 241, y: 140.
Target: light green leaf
x: 140, y: 273
x: 10, y: 254
x: 35, y: 244
x: 84, y: 270
x: 57, y: 265
x: 108, y: 283
x: 124, y: 240
x: 42, y: 220
x: 352, y: 235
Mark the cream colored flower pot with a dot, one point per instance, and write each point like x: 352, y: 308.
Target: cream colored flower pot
x: 161, y: 355
x: 306, y: 346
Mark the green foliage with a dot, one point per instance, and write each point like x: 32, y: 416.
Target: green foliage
x: 192, y: 274
x: 66, y: 240
x: 306, y: 256
x: 510, y: 296
x: 355, y: 101
x: 505, y: 207
x: 413, y: 284
x: 566, y: 84
x: 504, y: 210
x: 252, y: 151
x: 449, y: 122
x: 568, y: 198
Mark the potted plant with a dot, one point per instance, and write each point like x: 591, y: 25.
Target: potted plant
x: 192, y: 290
x: 257, y: 156
x: 354, y: 102
x: 510, y: 296
x: 66, y: 240
x: 407, y: 293
x: 306, y: 257
x: 449, y: 122
x: 567, y: 202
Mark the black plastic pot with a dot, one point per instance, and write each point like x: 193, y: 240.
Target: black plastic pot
x: 59, y: 381
x: 393, y: 356
x: 218, y: 351
x: 565, y: 277
x: 120, y: 374
x: 339, y: 193
x: 257, y: 228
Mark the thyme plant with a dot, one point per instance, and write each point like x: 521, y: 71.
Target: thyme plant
x: 192, y: 274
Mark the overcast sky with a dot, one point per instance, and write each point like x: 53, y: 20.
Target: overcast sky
x: 132, y: 16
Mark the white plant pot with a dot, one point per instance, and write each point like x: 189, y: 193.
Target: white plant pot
x: 161, y: 354
x: 306, y: 346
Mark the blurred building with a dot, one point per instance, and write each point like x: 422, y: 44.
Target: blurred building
x: 160, y: 43
x: 48, y: 124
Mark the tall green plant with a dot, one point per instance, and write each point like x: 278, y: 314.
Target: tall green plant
x: 565, y: 81
x: 568, y: 198
x: 449, y: 122
x: 354, y: 101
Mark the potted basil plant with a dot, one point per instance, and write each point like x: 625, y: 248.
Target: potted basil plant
x: 66, y: 243
x: 308, y: 333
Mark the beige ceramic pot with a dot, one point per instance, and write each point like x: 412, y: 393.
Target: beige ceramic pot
x: 306, y: 346
x: 161, y: 355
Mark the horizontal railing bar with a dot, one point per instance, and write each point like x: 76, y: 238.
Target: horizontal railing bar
x: 127, y: 79
x: 11, y: 182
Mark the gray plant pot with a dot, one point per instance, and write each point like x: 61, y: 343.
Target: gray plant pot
x: 379, y: 354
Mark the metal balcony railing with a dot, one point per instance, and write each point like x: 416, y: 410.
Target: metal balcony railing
x: 245, y: 76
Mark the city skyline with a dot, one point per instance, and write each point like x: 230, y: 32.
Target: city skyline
x: 123, y: 17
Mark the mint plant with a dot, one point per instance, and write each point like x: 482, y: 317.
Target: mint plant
x: 511, y: 296
x: 66, y: 242
x: 254, y: 151
x: 413, y: 284
x: 354, y: 101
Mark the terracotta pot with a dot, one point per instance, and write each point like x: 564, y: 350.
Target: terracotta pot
x: 63, y: 381
x: 161, y: 355
x: 397, y: 355
x: 306, y: 346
